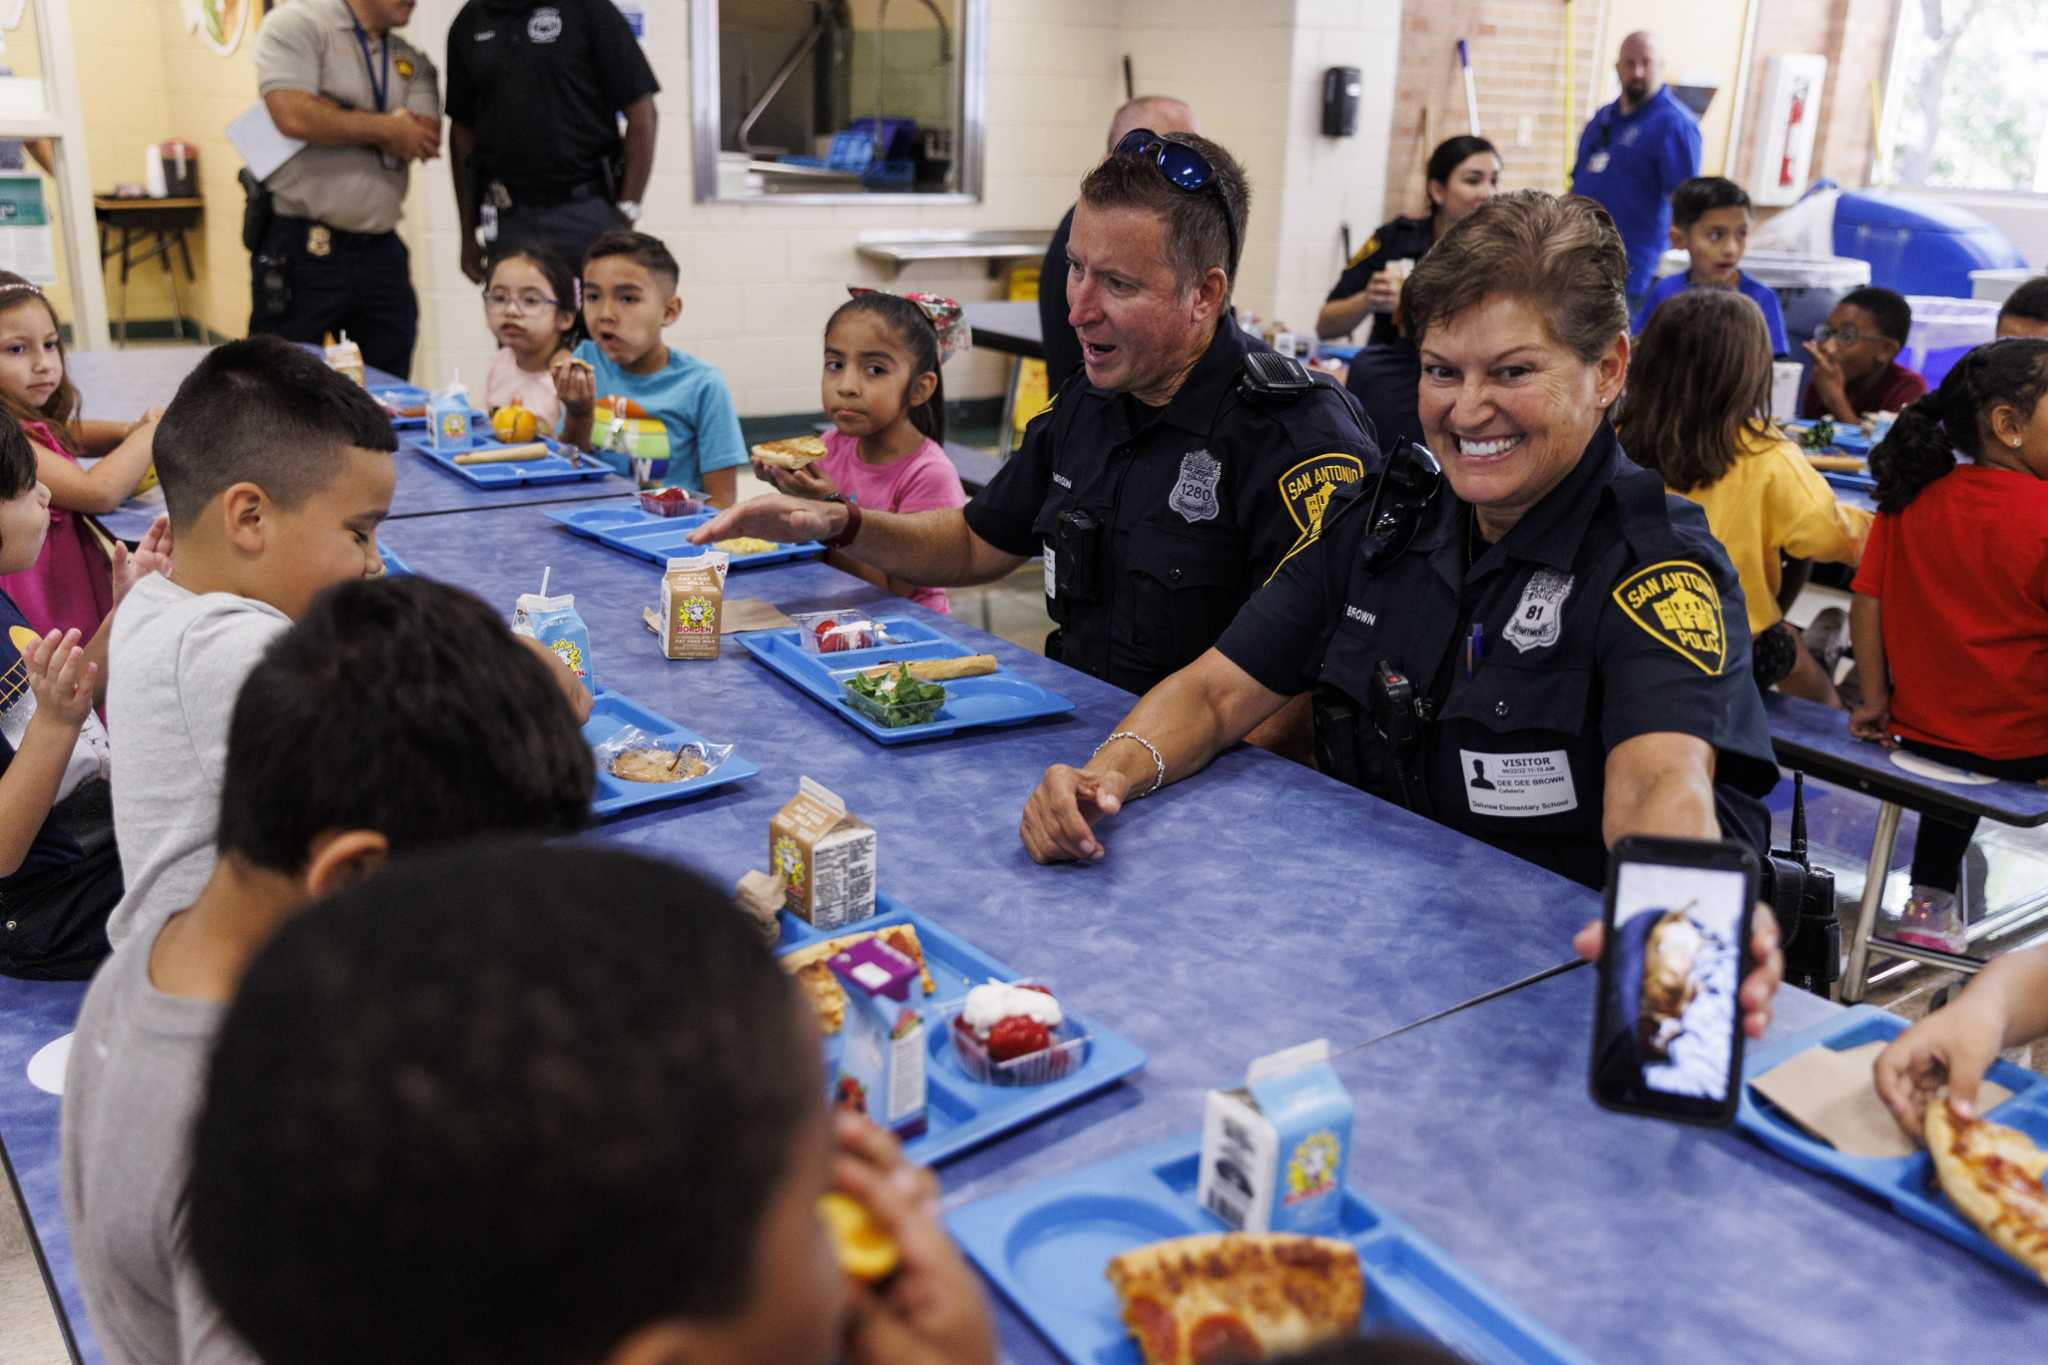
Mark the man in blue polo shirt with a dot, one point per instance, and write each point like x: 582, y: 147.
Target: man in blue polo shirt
x: 1633, y: 154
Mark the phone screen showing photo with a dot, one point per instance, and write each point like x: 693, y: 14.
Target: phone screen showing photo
x: 1669, y: 1033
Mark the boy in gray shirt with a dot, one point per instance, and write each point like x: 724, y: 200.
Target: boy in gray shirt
x: 471, y: 733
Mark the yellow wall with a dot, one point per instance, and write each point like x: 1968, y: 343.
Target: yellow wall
x: 204, y: 91
x: 1700, y: 43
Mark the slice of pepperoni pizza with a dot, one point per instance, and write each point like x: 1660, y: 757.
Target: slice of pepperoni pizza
x: 1993, y: 1174
x: 1237, y: 1296
x: 827, y: 996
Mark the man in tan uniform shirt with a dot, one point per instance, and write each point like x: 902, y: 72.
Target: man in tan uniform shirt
x: 367, y: 104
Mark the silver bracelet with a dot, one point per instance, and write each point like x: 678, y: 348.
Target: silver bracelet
x: 1158, y: 762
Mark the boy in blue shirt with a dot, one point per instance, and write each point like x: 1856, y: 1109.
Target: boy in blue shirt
x: 1710, y: 217
x: 629, y: 298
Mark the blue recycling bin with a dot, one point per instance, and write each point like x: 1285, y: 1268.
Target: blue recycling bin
x: 1918, y: 246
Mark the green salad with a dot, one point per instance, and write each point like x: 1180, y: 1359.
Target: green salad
x: 1819, y: 436
x: 895, y: 699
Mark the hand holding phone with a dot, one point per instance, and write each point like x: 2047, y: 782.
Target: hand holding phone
x: 1668, y: 1036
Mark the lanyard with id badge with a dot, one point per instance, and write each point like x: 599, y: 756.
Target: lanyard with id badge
x: 380, y: 87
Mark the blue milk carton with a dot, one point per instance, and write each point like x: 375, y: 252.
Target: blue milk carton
x: 882, y: 1045
x: 555, y: 622
x: 448, y: 418
x: 1274, y: 1152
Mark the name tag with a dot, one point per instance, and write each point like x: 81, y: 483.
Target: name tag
x: 1516, y: 786
x: 1051, y: 589
x: 1596, y: 163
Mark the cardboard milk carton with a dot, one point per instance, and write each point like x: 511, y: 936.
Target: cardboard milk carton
x: 882, y: 1047
x: 692, y: 598
x: 1273, y: 1153
x: 826, y: 857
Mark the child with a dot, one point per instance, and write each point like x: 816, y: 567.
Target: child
x: 629, y: 298
x: 1854, y: 369
x: 1710, y: 218
x: 2025, y: 310
x: 1949, y: 622
x: 504, y: 1142
x: 530, y: 305
x: 66, y: 588
x: 276, y: 471
x: 469, y: 734
x: 2005, y: 1005
x: 59, y: 872
x: 887, y: 402
x: 1697, y: 410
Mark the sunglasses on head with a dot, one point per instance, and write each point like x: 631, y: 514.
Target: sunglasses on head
x: 1184, y: 168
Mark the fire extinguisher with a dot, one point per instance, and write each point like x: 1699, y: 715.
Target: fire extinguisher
x: 1792, y: 123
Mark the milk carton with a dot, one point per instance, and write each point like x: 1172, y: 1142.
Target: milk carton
x: 1273, y: 1153
x: 825, y: 856
x: 555, y: 622
x: 882, y: 1046
x: 448, y: 418
x: 344, y: 357
x: 692, y: 597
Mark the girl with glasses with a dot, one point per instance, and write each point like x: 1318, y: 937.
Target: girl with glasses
x: 530, y: 307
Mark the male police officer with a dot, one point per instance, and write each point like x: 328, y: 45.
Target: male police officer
x: 1165, y: 484
x: 536, y: 89
x: 366, y: 103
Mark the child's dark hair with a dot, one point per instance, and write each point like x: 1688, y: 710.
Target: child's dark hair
x: 562, y: 282
x: 2029, y: 301
x: 262, y: 411
x: 1698, y: 383
x: 1888, y: 307
x: 909, y: 325
x: 1452, y: 153
x: 648, y: 252
x: 404, y: 706
x: 17, y: 461
x: 61, y: 408
x: 1696, y: 198
x: 510, y: 1102
x: 1921, y: 445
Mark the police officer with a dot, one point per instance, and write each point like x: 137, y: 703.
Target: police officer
x: 1168, y: 480
x: 367, y: 104
x: 1464, y: 172
x: 536, y: 89
x: 1538, y: 648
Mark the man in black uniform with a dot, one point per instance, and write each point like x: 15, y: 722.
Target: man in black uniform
x: 1165, y: 483
x: 535, y: 92
x: 1160, y: 113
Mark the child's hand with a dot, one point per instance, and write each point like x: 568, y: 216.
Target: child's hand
x: 1954, y: 1046
x: 807, y: 482
x: 152, y: 555
x: 61, y: 678
x: 1873, y: 720
x: 1827, y: 371
x: 150, y: 417
x: 575, y: 385
x: 931, y: 1309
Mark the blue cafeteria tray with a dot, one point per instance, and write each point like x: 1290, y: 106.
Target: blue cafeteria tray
x: 635, y: 531
x: 554, y: 468
x: 611, y: 713
x: 393, y: 565
x: 1853, y: 483
x: 963, y: 1113
x: 999, y: 699
x: 1047, y: 1244
x: 402, y: 396
x: 1905, y: 1182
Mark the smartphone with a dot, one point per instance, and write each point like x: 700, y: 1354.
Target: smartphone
x: 1667, y: 1029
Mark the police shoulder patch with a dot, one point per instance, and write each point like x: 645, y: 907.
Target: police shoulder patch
x: 405, y: 67
x: 1676, y: 604
x: 1372, y: 244
x: 1307, y: 487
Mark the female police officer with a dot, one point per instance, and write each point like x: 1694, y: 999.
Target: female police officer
x: 1546, y: 654
x: 1464, y: 172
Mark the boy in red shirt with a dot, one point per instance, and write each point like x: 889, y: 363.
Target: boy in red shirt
x: 1855, y: 369
x: 1950, y: 620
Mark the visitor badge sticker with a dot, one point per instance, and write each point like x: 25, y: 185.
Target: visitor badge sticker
x: 1517, y: 786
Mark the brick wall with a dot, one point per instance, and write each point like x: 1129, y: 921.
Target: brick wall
x: 1855, y: 36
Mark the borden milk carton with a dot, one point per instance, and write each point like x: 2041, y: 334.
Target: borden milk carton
x: 692, y: 598
x: 1273, y: 1153
x: 826, y: 856
x: 881, y: 1058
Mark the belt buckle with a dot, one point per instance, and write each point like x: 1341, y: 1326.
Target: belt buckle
x: 319, y: 240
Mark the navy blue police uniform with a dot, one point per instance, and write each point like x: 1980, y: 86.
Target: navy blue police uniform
x: 1609, y: 611
x: 1157, y: 523
x: 1404, y: 239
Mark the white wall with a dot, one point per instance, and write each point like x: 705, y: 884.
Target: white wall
x: 758, y: 280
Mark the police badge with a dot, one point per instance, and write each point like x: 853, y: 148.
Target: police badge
x: 1538, y: 618
x: 1194, y: 495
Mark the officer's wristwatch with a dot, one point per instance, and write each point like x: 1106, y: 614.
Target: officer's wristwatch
x: 629, y: 210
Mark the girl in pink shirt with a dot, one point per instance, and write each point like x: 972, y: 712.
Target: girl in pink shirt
x: 882, y: 390
x: 70, y: 585
x: 530, y: 307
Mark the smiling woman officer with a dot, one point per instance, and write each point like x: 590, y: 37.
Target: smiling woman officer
x: 1546, y: 652
x: 1171, y: 476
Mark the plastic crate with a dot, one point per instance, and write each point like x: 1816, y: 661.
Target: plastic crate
x: 1944, y: 329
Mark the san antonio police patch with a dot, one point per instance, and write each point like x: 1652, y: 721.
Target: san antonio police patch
x: 1307, y: 488
x: 1676, y: 604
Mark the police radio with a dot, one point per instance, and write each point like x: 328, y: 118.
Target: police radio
x: 1804, y: 897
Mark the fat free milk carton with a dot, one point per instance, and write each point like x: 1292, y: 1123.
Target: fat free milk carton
x: 1274, y: 1152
